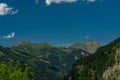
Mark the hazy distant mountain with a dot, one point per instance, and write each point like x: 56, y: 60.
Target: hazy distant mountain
x: 90, y: 46
x: 48, y: 62
x: 103, y: 65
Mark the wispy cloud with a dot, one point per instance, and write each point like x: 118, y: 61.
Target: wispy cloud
x: 48, y: 2
x: 37, y: 1
x: 86, y: 37
x: 91, y: 1
x: 9, y: 36
x: 5, y: 9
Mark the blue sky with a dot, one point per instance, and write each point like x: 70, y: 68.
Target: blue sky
x: 59, y: 23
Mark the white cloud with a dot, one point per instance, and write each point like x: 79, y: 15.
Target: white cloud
x: 48, y: 2
x: 9, y: 36
x: 5, y: 9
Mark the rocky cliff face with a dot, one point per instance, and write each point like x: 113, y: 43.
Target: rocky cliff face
x: 113, y: 73
x: 90, y: 46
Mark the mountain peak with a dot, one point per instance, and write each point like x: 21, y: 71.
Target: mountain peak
x: 21, y: 43
x: 25, y: 42
x: 89, y: 46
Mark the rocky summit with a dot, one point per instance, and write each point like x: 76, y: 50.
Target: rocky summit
x: 89, y: 46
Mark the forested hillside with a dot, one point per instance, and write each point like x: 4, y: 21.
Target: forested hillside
x: 103, y: 65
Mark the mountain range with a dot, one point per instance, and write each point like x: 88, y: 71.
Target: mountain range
x: 48, y: 62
